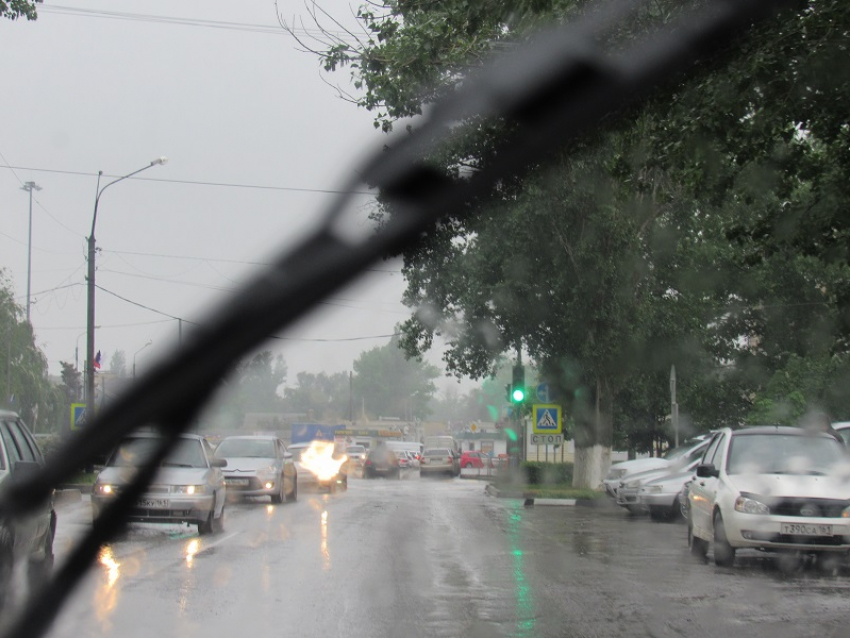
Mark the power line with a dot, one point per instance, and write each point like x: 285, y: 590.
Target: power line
x: 276, y: 337
x: 189, y: 22
x: 219, y: 259
x: 323, y: 191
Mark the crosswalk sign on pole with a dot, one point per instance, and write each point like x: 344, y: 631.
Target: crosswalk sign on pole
x: 78, y: 416
x: 547, y: 419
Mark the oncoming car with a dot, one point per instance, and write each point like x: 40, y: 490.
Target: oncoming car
x: 188, y: 488
x: 320, y: 465
x: 258, y: 466
x: 770, y: 488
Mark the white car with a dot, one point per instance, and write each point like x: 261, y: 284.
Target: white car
x: 682, y: 454
x: 662, y: 496
x: 631, y: 489
x: 770, y: 488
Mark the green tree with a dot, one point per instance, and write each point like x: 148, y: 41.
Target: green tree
x: 711, y: 215
x: 388, y: 384
x: 253, y: 386
x: 326, y: 396
x: 14, y: 9
x: 24, y: 386
x: 118, y: 364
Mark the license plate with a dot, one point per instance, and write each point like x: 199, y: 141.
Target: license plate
x: 806, y: 529
x: 236, y: 482
x: 152, y: 503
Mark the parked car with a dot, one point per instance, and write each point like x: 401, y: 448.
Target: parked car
x: 439, y: 461
x: 258, y: 466
x: 662, y: 497
x: 320, y: 465
x: 381, y: 461
x: 629, y: 491
x: 678, y: 455
x: 770, y: 488
x: 843, y: 429
x: 474, y: 459
x: 29, y: 537
x: 188, y: 488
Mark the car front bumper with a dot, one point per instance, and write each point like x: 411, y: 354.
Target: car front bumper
x: 256, y: 486
x: 160, y: 508
x: 657, y: 499
x: 767, y: 533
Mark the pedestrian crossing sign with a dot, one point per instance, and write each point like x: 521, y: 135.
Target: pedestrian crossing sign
x: 547, y: 419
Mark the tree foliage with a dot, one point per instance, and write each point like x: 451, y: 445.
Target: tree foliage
x: 14, y: 9
x: 387, y: 384
x: 325, y: 396
x: 706, y: 228
x: 24, y: 386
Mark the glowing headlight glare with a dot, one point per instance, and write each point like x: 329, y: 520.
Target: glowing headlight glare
x: 750, y: 506
x: 846, y: 513
x: 104, y: 489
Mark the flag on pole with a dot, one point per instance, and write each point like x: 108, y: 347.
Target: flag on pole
x: 97, y: 361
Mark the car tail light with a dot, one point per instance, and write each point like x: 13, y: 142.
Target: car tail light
x: 368, y: 462
x: 450, y: 459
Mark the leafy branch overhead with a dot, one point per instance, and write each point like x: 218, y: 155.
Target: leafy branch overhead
x: 14, y: 9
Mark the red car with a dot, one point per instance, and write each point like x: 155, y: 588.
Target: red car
x: 474, y: 459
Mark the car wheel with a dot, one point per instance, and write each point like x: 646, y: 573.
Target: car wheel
x: 206, y: 526
x: 293, y: 495
x: 38, y: 569
x: 218, y: 523
x: 280, y: 497
x: 724, y: 553
x: 697, y: 546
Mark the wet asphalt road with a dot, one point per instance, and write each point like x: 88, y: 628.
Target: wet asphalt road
x: 434, y: 557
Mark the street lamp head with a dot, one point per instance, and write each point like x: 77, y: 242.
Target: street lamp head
x: 160, y: 161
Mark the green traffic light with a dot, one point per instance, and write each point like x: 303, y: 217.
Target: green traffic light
x: 518, y: 395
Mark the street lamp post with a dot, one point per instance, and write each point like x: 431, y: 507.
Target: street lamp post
x: 137, y: 352
x: 29, y: 187
x: 89, y: 371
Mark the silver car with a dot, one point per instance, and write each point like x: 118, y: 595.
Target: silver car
x: 188, y: 488
x: 439, y: 461
x: 663, y: 496
x: 258, y: 466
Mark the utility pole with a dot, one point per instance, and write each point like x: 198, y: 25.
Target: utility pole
x: 29, y: 187
x: 674, y: 407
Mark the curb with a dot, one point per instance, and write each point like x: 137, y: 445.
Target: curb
x: 530, y: 501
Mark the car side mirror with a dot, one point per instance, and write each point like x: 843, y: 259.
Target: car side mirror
x: 218, y: 463
x: 707, y: 471
x: 287, y: 455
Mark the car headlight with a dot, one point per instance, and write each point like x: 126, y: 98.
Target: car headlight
x: 268, y: 472
x: 748, y: 505
x: 653, y: 489
x: 190, y: 489
x: 614, y: 474
x: 105, y: 489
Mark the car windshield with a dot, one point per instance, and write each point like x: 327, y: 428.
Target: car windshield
x: 684, y: 451
x: 134, y: 452
x: 564, y: 234
x: 247, y: 448
x: 783, y: 454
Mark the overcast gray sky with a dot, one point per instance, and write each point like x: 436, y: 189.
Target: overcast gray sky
x: 227, y: 104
